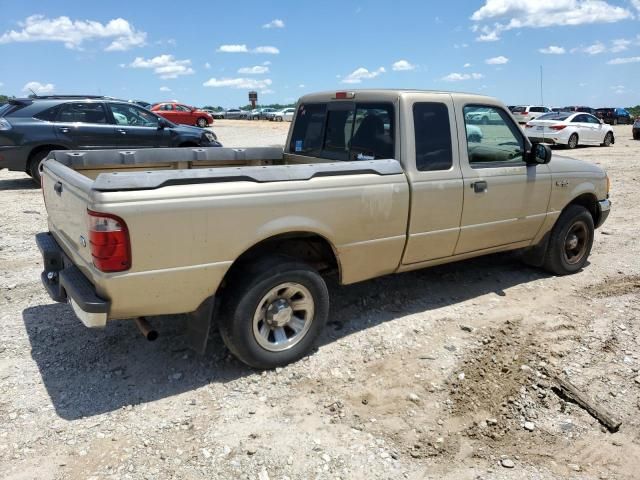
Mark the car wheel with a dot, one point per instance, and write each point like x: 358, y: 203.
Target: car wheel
x: 608, y: 140
x: 202, y: 122
x: 35, y: 163
x: 573, y: 141
x: 570, y: 241
x: 272, y: 311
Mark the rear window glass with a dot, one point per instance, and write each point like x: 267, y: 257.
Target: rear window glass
x: 344, y: 131
x: 82, y: 113
x: 432, y: 136
x: 554, y: 116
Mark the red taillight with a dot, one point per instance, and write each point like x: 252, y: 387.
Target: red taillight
x: 109, y: 241
x: 557, y: 127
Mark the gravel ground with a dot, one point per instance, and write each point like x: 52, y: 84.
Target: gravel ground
x: 436, y: 374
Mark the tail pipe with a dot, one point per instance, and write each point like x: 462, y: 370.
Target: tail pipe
x: 146, y: 329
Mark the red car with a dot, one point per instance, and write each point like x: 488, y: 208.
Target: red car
x: 179, y: 113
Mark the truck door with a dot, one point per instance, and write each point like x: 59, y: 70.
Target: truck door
x: 505, y: 200
x: 432, y: 166
x: 85, y: 125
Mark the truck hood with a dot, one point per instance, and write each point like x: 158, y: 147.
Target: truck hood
x: 562, y: 164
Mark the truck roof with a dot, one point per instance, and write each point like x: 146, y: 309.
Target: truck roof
x: 386, y: 93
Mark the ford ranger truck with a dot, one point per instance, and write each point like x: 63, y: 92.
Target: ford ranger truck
x: 369, y: 183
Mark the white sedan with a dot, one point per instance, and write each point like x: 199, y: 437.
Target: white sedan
x: 570, y: 129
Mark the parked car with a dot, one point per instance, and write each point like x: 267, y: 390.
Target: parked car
x: 583, y: 109
x: 284, y: 114
x: 32, y: 127
x: 244, y: 240
x: 483, y: 115
x: 183, y: 114
x: 233, y: 114
x: 614, y: 116
x: 636, y: 129
x: 569, y: 129
x: 524, y: 113
x: 261, y: 113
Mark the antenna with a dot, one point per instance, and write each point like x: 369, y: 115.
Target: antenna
x: 541, y: 90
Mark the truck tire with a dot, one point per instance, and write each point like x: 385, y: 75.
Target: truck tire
x: 570, y: 241
x: 34, y: 165
x: 272, y: 311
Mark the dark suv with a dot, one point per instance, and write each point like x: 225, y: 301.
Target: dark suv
x: 32, y: 127
x: 614, y: 116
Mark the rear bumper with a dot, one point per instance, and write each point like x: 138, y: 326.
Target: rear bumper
x: 64, y: 282
x: 605, y: 208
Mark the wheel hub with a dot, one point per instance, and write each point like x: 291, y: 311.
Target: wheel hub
x: 279, y: 313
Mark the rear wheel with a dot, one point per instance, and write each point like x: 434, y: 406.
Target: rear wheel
x: 608, y: 140
x: 573, y: 141
x: 570, y: 241
x: 35, y: 162
x: 273, y: 310
x: 202, y: 122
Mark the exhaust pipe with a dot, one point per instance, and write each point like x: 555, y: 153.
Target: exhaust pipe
x: 146, y: 329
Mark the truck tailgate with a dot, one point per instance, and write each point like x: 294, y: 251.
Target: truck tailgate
x: 67, y: 196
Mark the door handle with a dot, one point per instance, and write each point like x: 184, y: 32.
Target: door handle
x: 121, y: 131
x: 64, y: 129
x: 479, y: 186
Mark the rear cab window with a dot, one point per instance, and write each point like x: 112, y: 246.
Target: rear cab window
x: 344, y: 131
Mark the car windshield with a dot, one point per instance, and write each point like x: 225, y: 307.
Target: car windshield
x: 560, y: 116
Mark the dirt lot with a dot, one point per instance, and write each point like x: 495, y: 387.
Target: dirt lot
x: 431, y: 374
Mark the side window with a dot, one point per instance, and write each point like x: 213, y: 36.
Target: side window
x: 502, y: 141
x: 373, y: 132
x: 125, y: 114
x: 77, y: 112
x: 433, y: 136
x: 307, y: 131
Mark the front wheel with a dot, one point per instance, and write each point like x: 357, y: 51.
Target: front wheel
x: 202, y: 122
x: 573, y: 141
x: 608, y: 140
x: 273, y: 310
x: 570, y: 241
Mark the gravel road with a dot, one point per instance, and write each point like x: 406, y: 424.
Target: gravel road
x: 435, y: 374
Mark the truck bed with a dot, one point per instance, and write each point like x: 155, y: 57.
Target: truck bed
x: 145, y: 169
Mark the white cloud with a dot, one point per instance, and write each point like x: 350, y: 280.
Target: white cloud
x: 232, y: 49
x: 403, y: 65
x: 458, y: 77
x: 257, y: 70
x: 362, y: 73
x: 515, y: 14
x: 501, y: 60
x: 266, y: 49
x: 38, y: 87
x: 553, y: 50
x: 466, y: 65
x: 165, y: 89
x: 242, y: 48
x: 623, y: 61
x: 277, y: 23
x: 73, y: 33
x: 165, y: 66
x: 243, y: 83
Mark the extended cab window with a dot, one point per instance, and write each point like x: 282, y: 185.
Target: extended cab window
x: 344, y: 131
x: 502, y: 142
x: 78, y: 112
x: 432, y: 136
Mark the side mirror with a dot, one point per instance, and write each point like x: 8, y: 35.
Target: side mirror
x: 540, y: 154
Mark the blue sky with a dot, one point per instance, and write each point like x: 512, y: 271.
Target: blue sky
x: 214, y: 52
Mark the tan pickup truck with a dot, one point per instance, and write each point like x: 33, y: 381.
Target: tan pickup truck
x: 369, y: 183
